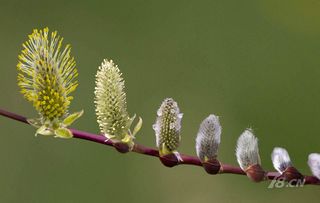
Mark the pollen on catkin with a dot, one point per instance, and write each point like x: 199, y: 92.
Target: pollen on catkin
x: 111, y: 106
x: 168, y: 126
x: 47, y: 75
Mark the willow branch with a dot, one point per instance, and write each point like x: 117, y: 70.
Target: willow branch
x: 140, y: 149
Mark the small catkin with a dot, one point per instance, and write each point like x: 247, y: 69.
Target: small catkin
x: 168, y: 126
x: 208, y: 138
x: 247, y: 150
x: 314, y: 164
x: 280, y: 159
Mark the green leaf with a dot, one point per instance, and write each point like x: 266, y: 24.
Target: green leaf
x: 129, y: 123
x: 137, y: 127
x: 43, y: 130
x: 35, y: 122
x: 63, y: 133
x: 71, y: 118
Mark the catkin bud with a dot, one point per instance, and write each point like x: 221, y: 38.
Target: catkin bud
x: 207, y: 143
x: 208, y: 138
x: 280, y: 159
x: 282, y: 163
x: 111, y: 106
x: 314, y: 164
x: 167, y: 128
x: 47, y: 75
x: 248, y: 157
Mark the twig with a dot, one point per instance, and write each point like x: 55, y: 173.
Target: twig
x: 186, y: 159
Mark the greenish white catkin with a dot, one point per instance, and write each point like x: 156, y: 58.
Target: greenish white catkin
x: 167, y: 127
x: 111, y: 106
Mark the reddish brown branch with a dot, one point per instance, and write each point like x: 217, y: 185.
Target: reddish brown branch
x: 187, y: 160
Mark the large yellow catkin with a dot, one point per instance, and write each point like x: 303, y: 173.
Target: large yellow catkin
x: 47, y: 74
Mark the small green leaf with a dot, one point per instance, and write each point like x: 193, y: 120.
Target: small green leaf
x: 137, y: 127
x: 35, y: 122
x: 43, y: 130
x: 129, y: 123
x: 63, y: 133
x: 71, y: 118
x: 127, y: 139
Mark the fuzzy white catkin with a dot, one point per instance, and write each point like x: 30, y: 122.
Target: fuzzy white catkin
x: 314, y: 164
x: 247, y: 150
x: 280, y: 159
x: 208, y: 138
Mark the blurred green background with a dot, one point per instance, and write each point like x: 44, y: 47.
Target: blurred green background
x: 255, y: 63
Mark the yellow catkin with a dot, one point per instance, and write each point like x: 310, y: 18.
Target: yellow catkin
x: 47, y: 74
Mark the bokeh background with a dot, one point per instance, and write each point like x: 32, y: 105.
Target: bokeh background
x: 255, y: 63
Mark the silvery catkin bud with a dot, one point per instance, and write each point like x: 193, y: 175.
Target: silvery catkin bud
x: 247, y: 153
x: 208, y: 138
x: 111, y: 106
x: 280, y: 159
x: 282, y: 163
x: 167, y: 127
x: 247, y: 150
x: 314, y: 164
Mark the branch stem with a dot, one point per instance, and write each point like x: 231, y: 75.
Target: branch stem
x: 140, y: 149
